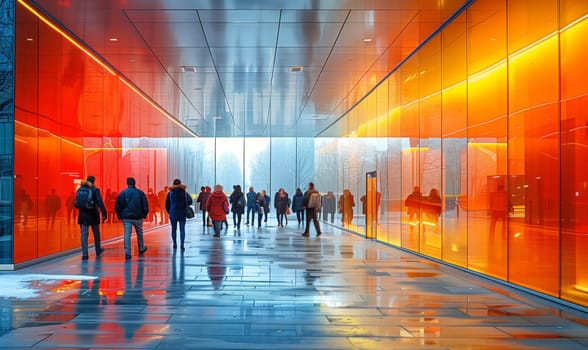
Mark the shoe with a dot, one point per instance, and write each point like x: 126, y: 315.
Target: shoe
x: 318, y: 234
x: 142, y: 251
x: 127, y: 257
x: 182, y: 248
x: 99, y: 251
x: 175, y: 246
x: 305, y: 234
x: 216, y: 235
x: 84, y: 257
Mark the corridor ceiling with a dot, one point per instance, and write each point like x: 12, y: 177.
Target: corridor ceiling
x: 254, y: 68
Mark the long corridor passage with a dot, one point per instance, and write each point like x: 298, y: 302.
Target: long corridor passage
x: 271, y: 288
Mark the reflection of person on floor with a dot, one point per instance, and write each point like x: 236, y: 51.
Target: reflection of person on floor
x: 132, y: 296
x: 498, y: 208
x: 412, y: 203
x: 216, y: 264
x: 90, y: 301
x: 312, y: 261
x: 345, y: 207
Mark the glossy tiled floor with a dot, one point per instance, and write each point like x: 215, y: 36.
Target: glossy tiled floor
x: 271, y: 288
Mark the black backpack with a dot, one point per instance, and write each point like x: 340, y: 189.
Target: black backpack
x: 84, y: 198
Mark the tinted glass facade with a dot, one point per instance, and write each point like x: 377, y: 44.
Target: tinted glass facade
x: 487, y: 119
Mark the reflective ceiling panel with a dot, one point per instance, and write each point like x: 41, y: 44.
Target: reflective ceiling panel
x: 224, y: 67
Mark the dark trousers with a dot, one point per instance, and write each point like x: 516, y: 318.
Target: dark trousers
x: 311, y: 214
x: 300, y: 216
x: 252, y: 211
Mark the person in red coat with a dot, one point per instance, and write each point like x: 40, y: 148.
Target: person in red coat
x: 217, y: 207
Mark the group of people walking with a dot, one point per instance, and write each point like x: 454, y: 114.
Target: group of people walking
x: 132, y: 208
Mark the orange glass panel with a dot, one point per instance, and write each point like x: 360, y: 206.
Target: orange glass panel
x: 454, y: 126
x: 71, y: 118
x: 574, y: 152
x: 530, y: 21
x: 533, y: 151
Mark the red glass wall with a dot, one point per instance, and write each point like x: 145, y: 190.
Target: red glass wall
x: 75, y: 117
x: 493, y: 112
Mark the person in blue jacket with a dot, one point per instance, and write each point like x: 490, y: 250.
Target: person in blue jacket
x: 131, y: 207
x: 251, y: 205
x: 297, y: 206
x: 178, y: 199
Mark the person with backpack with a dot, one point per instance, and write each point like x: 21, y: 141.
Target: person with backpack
x: 312, y: 204
x: 132, y: 207
x: 89, y: 203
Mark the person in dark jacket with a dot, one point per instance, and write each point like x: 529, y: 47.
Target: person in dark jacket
x: 281, y: 203
x: 268, y: 200
x: 297, y: 205
x: 216, y: 206
x: 178, y: 199
x: 202, y: 198
x: 311, y: 211
x: 251, y: 205
x: 131, y: 208
x: 260, y: 206
x: 90, y: 217
x: 237, y: 199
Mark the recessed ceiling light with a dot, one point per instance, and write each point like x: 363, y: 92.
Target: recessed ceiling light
x: 113, y: 39
x: 367, y: 40
x: 295, y: 68
x: 29, y: 39
x: 189, y: 69
x: 131, y: 60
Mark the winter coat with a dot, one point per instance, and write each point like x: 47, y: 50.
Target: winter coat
x: 131, y: 204
x: 176, y: 202
x: 234, y: 200
x: 297, y: 201
x: 215, y: 206
x: 202, y: 198
x: 92, y: 216
x: 281, y: 203
x: 251, y: 198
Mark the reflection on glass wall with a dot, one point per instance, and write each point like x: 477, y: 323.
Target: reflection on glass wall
x: 75, y: 117
x: 478, y: 124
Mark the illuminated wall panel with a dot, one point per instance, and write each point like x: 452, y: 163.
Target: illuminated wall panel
x: 453, y: 104
x: 574, y: 151
x: 493, y: 111
x: 72, y: 120
x: 533, y: 151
